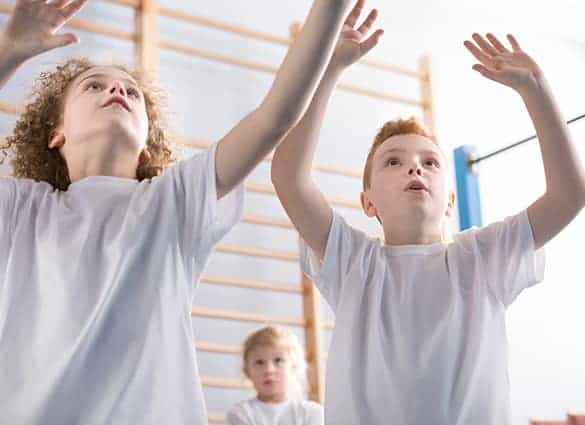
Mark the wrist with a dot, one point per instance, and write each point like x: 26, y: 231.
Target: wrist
x: 10, y: 53
x: 537, y: 88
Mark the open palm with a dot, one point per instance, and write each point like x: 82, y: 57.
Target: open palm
x: 353, y: 44
x: 31, y: 28
x: 513, y: 68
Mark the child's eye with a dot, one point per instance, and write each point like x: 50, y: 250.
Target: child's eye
x: 259, y: 362
x: 133, y: 92
x: 279, y: 360
x: 392, y: 162
x: 94, y: 86
x: 432, y: 163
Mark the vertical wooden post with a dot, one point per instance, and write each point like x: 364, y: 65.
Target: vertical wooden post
x: 313, y: 349
x: 424, y: 67
x: 311, y: 313
x: 147, y: 31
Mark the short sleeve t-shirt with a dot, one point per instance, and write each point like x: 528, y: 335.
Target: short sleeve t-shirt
x: 420, y: 334
x: 291, y: 412
x: 96, y: 288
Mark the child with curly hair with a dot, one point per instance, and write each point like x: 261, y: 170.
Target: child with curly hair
x: 101, y: 241
x: 274, y: 361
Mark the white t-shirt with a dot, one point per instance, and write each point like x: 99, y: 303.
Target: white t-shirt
x: 292, y: 412
x: 96, y: 288
x: 420, y: 335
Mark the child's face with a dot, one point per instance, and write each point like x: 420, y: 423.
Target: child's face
x: 269, y: 368
x: 105, y: 103
x: 408, y: 181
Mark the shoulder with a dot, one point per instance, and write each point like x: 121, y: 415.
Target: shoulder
x: 14, y: 186
x: 311, y: 409
x: 239, y: 413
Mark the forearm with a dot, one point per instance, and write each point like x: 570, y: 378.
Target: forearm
x: 303, y: 66
x: 565, y: 178
x: 293, y: 159
x: 291, y: 172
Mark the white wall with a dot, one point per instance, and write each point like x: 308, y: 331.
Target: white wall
x: 547, y: 343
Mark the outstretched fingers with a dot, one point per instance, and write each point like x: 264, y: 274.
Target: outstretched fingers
x: 479, y: 54
x: 496, y: 43
x: 371, y: 41
x: 366, y: 26
x: 515, y: 45
x: 355, y: 13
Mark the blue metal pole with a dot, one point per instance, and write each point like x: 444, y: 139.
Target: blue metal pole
x: 468, y: 199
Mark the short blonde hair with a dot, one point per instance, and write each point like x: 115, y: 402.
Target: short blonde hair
x: 389, y: 129
x: 277, y: 336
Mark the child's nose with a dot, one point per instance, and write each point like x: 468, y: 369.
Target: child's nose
x: 415, y: 170
x: 118, y: 88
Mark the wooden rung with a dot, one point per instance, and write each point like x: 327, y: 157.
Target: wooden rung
x: 240, y: 316
x: 223, y: 26
x: 10, y: 108
x: 383, y: 66
x: 257, y: 252
x: 269, y: 190
x: 214, y: 347
x: 377, y: 94
x: 216, y: 417
x: 270, y: 69
x: 267, y: 221
x: 330, y: 169
x: 251, y: 283
x: 342, y: 171
x: 217, y: 57
x: 539, y: 422
x: 258, y: 35
x: 231, y: 383
x: 131, y: 3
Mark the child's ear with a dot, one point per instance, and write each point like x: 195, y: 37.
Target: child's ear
x: 450, y: 204
x: 57, y: 140
x: 368, y: 205
x: 145, y: 156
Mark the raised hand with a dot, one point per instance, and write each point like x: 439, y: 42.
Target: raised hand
x: 353, y: 44
x: 31, y: 29
x: 513, y: 68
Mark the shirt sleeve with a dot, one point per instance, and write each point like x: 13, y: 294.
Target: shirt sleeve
x: 205, y: 218
x: 509, y: 262
x: 348, y: 250
x: 236, y: 416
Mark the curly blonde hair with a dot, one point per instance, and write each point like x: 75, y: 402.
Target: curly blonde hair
x: 389, y: 129
x: 37, y: 124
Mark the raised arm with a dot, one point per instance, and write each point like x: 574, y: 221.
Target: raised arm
x: 295, y: 83
x: 292, y: 161
x: 31, y: 30
x: 565, y: 178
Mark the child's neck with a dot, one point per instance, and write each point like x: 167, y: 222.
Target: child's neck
x: 101, y: 163
x: 272, y: 398
x: 412, y: 235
